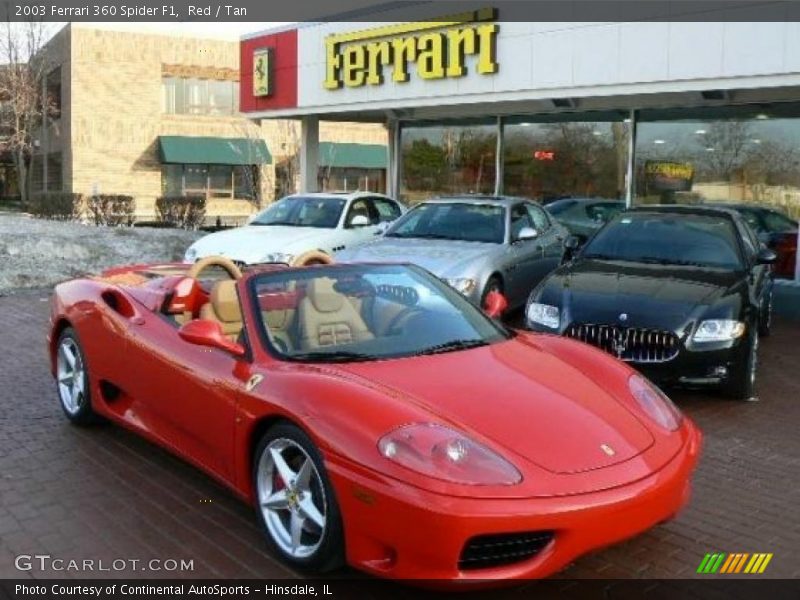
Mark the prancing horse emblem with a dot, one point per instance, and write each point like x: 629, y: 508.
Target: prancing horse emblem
x: 607, y: 449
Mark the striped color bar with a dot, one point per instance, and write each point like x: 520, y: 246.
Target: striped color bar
x: 737, y: 562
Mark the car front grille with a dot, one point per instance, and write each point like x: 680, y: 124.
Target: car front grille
x: 632, y: 344
x: 497, y: 550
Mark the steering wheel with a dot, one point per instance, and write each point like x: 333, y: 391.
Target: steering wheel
x: 399, y: 322
x: 214, y: 261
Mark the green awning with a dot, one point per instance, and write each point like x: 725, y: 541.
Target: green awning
x: 213, y: 151
x: 363, y: 156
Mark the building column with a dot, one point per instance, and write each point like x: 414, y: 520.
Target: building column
x: 309, y: 153
x: 630, y: 174
x: 393, y: 164
x: 499, y: 159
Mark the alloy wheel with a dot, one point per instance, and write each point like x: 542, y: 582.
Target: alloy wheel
x: 71, y: 376
x: 291, y: 498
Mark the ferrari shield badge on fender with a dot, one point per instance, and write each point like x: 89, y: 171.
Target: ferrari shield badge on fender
x: 253, y: 382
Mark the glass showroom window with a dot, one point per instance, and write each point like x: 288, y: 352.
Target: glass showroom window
x: 548, y: 161
x: 733, y: 155
x: 447, y: 159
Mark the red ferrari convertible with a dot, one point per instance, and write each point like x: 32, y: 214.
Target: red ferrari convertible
x: 374, y: 416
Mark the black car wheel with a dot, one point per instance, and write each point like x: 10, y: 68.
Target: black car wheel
x: 742, y: 382
x: 765, y: 318
x: 296, y: 505
x: 72, y: 379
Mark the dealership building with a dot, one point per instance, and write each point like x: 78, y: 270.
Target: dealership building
x: 644, y: 111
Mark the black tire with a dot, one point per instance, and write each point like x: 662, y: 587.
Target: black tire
x: 76, y: 404
x: 329, y: 552
x: 742, y: 382
x: 765, y: 317
x: 493, y: 284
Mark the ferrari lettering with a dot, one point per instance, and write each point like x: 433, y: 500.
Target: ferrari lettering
x: 439, y: 49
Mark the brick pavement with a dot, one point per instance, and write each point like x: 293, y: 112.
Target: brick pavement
x: 104, y: 493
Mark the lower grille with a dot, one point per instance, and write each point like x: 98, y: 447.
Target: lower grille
x: 485, y: 551
x: 633, y: 344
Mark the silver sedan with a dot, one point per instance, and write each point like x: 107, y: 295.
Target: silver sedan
x: 475, y: 243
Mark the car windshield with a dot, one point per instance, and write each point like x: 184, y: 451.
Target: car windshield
x: 350, y: 313
x: 302, y: 211
x: 675, y: 239
x: 465, y: 221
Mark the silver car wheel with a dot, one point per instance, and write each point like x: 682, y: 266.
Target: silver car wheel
x: 291, y: 497
x: 71, y: 376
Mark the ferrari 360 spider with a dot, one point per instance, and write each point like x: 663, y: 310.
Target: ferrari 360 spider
x: 374, y: 416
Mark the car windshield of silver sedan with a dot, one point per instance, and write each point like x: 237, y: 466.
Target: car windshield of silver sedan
x: 303, y: 211
x: 464, y: 221
x: 365, y: 312
x: 668, y: 239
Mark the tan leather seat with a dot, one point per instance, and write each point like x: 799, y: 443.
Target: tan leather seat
x: 328, y: 318
x: 279, y: 326
x: 223, y: 307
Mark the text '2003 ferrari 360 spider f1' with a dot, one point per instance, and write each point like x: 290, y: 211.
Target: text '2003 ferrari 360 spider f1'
x: 374, y: 416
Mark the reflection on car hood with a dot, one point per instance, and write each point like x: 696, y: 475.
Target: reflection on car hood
x: 252, y: 242
x: 513, y: 393
x: 441, y: 257
x: 658, y: 296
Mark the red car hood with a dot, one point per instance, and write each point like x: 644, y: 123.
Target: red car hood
x: 523, y: 399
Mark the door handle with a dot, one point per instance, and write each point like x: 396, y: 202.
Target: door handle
x: 137, y: 320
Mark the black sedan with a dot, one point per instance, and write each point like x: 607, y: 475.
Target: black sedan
x: 680, y: 292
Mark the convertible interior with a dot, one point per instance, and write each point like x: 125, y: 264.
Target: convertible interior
x: 299, y: 316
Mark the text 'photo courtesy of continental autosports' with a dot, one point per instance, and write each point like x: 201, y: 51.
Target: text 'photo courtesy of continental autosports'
x: 375, y: 417
x: 682, y: 293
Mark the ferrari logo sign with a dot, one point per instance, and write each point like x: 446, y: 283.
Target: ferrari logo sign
x: 438, y: 48
x: 262, y: 72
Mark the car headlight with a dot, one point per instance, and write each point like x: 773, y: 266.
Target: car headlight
x: 443, y: 453
x: 543, y: 314
x: 191, y: 255
x: 655, y: 403
x: 462, y: 285
x: 718, y: 330
x: 279, y: 257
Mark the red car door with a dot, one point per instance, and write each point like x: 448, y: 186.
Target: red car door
x: 185, y: 394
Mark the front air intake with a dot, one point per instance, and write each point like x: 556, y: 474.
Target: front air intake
x: 498, y: 550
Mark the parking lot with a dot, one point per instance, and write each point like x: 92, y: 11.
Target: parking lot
x: 104, y: 493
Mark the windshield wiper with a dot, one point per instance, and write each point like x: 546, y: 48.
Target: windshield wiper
x: 338, y: 356
x: 288, y: 223
x: 601, y: 257
x: 451, y: 346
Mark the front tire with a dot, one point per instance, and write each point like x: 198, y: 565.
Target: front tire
x: 72, y: 379
x: 296, y: 504
x: 765, y: 318
x: 742, y: 383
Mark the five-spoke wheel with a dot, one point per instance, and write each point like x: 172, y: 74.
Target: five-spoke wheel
x: 72, y: 379
x: 296, y: 504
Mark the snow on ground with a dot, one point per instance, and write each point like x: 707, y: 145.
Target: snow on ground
x: 39, y: 253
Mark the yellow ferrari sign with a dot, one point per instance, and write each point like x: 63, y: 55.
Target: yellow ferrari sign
x: 438, y: 48
x: 262, y: 72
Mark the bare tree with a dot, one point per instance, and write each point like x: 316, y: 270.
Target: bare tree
x: 23, y: 105
x: 726, y: 147
x: 287, y: 171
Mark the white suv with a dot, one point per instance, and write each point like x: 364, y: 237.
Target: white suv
x: 326, y: 222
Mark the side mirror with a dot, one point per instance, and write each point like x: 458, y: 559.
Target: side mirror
x: 203, y: 332
x: 359, y: 221
x: 382, y: 227
x: 526, y: 233
x: 766, y: 256
x: 572, y: 244
x: 495, y: 304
